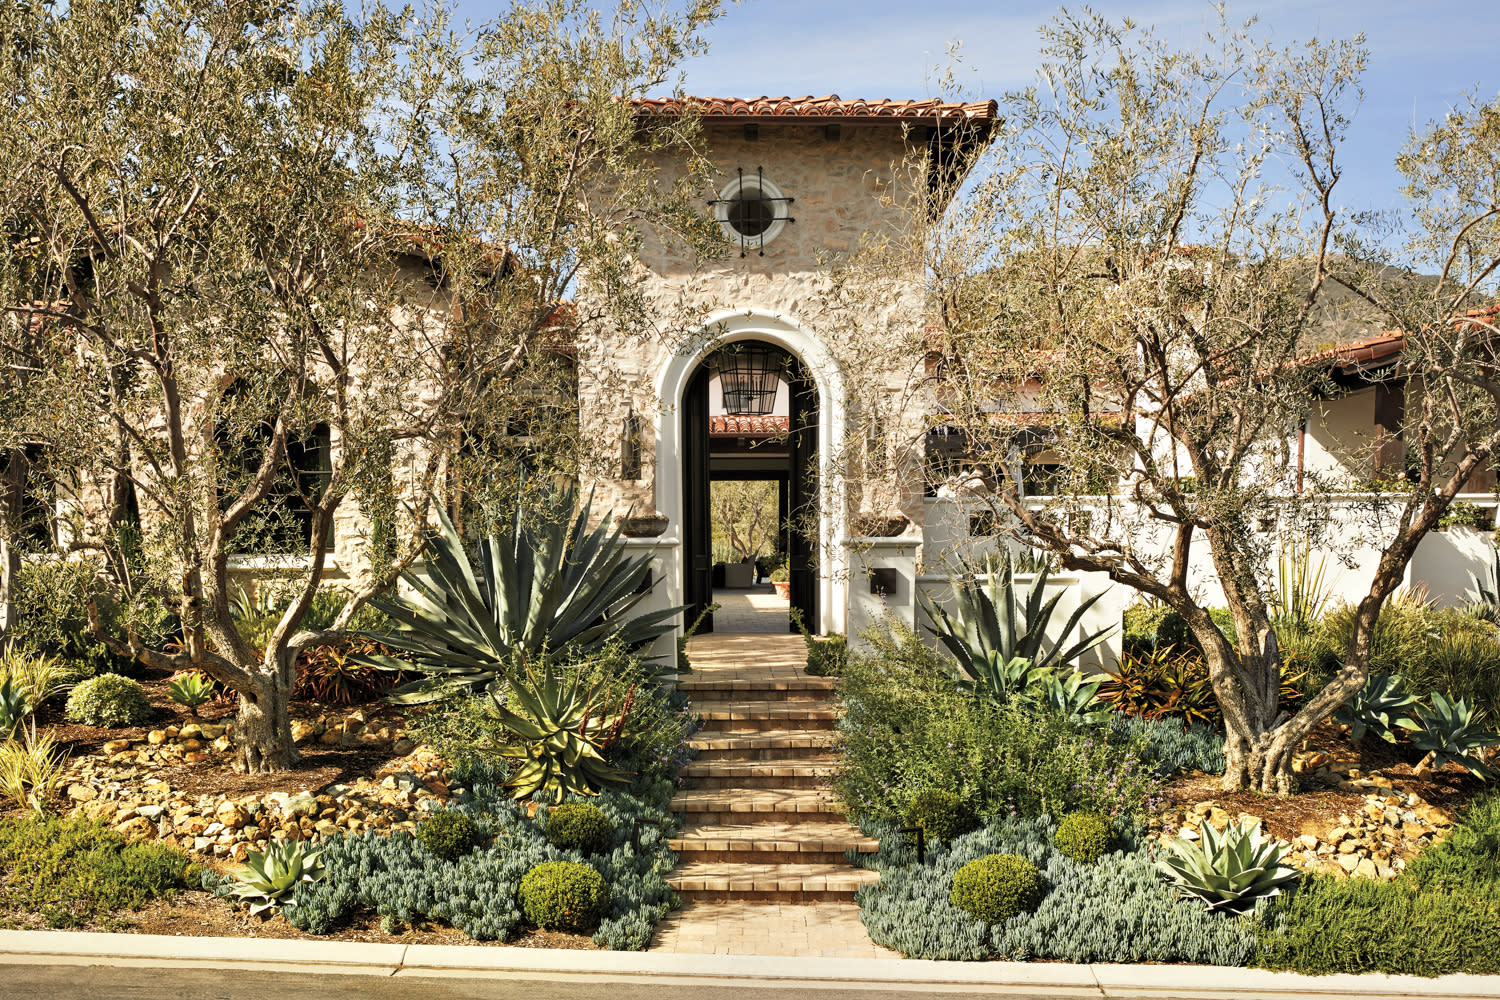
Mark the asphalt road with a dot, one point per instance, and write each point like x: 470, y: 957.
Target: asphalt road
x: 80, y: 982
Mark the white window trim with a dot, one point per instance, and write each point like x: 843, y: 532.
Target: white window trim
x: 767, y: 189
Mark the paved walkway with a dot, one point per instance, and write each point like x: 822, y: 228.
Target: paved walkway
x: 809, y: 930
x: 757, y: 610
x: 762, y: 869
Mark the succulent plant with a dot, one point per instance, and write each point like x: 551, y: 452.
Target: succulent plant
x: 1075, y: 697
x: 999, y: 638
x: 1450, y: 730
x: 14, y: 706
x: 276, y: 874
x: 190, y: 689
x: 541, y: 584
x: 1229, y: 871
x: 1378, y: 707
x: 562, y: 730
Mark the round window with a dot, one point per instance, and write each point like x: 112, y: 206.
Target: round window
x: 752, y: 210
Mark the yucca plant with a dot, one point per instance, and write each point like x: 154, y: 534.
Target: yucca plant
x: 992, y: 627
x: 1484, y: 595
x: 1228, y: 871
x: 33, y: 675
x: 275, y: 875
x: 542, y: 584
x: 1380, y: 707
x: 1302, y: 588
x: 15, y: 705
x: 1451, y: 730
x: 561, y: 728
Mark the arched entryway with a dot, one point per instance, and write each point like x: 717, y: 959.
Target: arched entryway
x: 816, y: 407
x: 773, y: 439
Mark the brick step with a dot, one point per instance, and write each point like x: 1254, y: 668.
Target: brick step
x: 729, y: 806
x: 772, y: 843
x: 811, y: 772
x: 803, y: 712
x: 801, y: 689
x: 773, y: 744
x: 703, y: 880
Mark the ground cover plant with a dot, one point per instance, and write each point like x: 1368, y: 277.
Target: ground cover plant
x: 1116, y: 909
x: 1441, y: 916
x: 478, y: 891
x: 72, y: 871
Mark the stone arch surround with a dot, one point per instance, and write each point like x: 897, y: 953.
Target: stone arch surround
x: 728, y: 327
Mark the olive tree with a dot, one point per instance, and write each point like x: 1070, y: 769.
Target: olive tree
x: 296, y: 267
x: 1137, y: 277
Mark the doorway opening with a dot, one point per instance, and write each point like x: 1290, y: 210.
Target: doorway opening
x: 750, y: 490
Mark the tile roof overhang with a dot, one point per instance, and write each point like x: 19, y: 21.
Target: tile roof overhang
x: 723, y: 425
x: 822, y: 110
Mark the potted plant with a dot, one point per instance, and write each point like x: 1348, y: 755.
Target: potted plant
x: 781, y: 579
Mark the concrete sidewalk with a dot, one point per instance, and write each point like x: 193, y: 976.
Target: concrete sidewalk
x: 993, y: 978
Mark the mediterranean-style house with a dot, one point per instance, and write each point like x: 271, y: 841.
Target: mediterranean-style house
x: 760, y: 385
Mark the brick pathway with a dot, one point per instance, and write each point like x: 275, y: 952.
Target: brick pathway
x: 756, y: 610
x: 762, y: 869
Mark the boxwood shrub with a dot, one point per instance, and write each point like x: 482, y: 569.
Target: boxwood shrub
x: 563, y: 896
x: 579, y: 826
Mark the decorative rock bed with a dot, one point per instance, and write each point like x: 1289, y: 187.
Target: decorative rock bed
x: 125, y: 789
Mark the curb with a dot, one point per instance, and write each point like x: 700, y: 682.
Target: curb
x: 350, y: 957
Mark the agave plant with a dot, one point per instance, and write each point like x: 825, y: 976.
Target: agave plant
x: 540, y: 585
x: 1229, y: 871
x: 274, y: 875
x: 1075, y: 697
x: 993, y: 627
x: 1449, y: 730
x: 190, y: 689
x: 1378, y: 707
x: 562, y: 729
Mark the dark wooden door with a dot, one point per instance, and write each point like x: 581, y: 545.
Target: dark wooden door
x: 697, y: 528
x: 803, y: 497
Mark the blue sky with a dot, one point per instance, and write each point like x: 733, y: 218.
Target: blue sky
x: 1424, y: 56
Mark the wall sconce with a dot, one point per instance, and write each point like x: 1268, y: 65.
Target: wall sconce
x: 630, y: 446
x: 884, y: 581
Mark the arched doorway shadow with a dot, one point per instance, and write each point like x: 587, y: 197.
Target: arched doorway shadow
x: 788, y: 452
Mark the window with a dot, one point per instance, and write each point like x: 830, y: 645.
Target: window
x: 281, y: 523
x: 752, y: 210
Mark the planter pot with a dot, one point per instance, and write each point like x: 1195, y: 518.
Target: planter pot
x: 643, y: 526
x: 868, y: 525
x: 783, y: 589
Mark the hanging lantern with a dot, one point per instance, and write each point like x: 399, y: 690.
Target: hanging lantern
x: 749, y: 376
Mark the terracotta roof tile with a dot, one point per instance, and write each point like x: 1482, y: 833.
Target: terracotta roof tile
x: 724, y: 425
x: 829, y: 107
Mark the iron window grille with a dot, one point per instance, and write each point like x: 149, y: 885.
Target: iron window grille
x: 750, y: 213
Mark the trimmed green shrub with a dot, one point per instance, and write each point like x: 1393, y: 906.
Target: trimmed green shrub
x: 1082, y: 837
x: 996, y: 887
x: 1360, y: 925
x: 109, y: 700
x: 72, y: 871
x: 941, y: 814
x: 579, y: 826
x: 564, y: 896
x: 1148, y: 626
x: 826, y: 657
x: 449, y: 835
